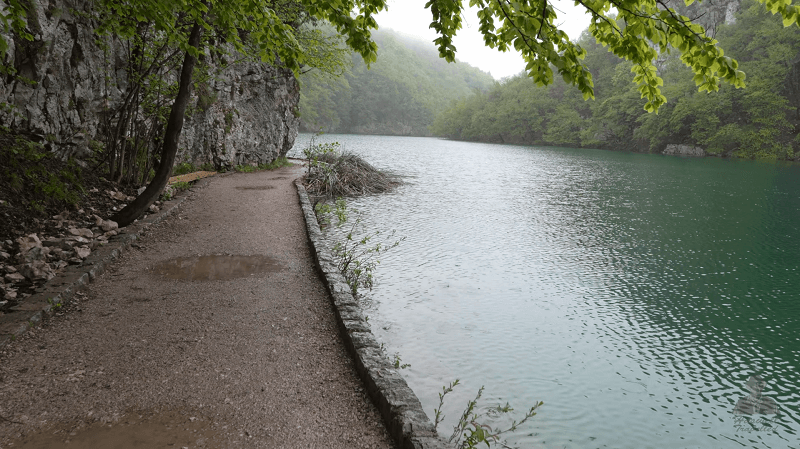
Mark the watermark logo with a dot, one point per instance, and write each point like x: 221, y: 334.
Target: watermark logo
x: 754, y: 411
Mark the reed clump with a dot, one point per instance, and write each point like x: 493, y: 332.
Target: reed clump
x: 332, y: 174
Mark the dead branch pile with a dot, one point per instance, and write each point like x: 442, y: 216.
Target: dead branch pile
x: 333, y: 175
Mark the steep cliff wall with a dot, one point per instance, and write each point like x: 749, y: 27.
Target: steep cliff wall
x: 69, y: 80
x: 252, y: 119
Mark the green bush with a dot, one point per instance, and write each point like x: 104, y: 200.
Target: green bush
x: 183, y: 168
x: 33, y: 172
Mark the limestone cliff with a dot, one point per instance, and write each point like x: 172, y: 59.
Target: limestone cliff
x: 709, y: 13
x: 69, y: 81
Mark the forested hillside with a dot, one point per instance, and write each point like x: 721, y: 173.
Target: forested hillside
x: 400, y: 94
x: 761, y: 121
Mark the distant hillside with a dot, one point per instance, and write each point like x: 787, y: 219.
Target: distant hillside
x: 761, y: 121
x: 400, y: 94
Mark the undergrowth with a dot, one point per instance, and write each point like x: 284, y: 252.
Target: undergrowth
x: 35, y: 179
x: 274, y: 165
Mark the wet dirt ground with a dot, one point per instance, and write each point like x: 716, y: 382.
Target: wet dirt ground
x: 215, y: 332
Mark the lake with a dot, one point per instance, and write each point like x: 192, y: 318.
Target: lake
x: 634, y: 294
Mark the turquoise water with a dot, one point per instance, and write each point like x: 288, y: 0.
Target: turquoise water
x: 634, y: 294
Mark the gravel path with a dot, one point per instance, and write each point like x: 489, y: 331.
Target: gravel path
x: 168, y: 349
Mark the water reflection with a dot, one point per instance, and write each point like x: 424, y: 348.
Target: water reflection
x: 634, y: 294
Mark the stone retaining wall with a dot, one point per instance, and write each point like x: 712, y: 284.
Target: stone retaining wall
x: 400, y: 408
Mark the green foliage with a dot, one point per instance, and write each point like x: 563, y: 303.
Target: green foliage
x: 397, y: 362
x: 183, y: 168
x: 228, y: 121
x: 279, y: 162
x: 32, y: 172
x: 324, y: 211
x: 399, y: 94
x: 274, y: 165
x: 356, y: 256
x: 315, y: 155
x: 260, y: 29
x: 180, y: 186
x: 758, y: 122
x: 635, y: 30
x: 471, y: 429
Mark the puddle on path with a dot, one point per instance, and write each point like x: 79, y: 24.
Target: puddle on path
x: 164, y: 430
x: 255, y: 187
x: 277, y: 178
x: 216, y: 267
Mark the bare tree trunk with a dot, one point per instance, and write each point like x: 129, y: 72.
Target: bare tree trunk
x: 171, y: 135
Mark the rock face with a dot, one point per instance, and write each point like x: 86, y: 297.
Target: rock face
x: 252, y: 120
x: 708, y: 14
x: 684, y: 150
x: 68, y: 84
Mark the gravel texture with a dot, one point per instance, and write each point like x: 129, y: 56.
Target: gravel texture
x: 250, y: 358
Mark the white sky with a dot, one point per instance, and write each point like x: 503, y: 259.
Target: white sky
x: 410, y: 17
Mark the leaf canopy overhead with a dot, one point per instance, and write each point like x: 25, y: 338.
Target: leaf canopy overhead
x: 636, y: 30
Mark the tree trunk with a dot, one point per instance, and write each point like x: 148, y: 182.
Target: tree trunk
x: 171, y: 135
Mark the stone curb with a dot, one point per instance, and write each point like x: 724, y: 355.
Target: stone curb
x: 400, y: 408
x: 73, y: 279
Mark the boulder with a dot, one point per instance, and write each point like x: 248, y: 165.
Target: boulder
x: 82, y: 251
x: 72, y: 240
x: 684, y: 150
x: 37, y: 271
x: 53, y: 242
x: 81, y: 232
x: 106, y: 225
x: 119, y: 196
x: 37, y: 253
x: 61, y: 254
x: 14, y: 277
x: 28, y: 242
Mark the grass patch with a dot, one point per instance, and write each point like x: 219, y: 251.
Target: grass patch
x: 274, y: 165
x: 182, y: 169
x: 180, y: 186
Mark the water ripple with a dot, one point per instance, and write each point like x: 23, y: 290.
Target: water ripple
x: 634, y: 294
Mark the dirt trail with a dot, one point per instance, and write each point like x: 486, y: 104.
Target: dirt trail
x: 188, y: 342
